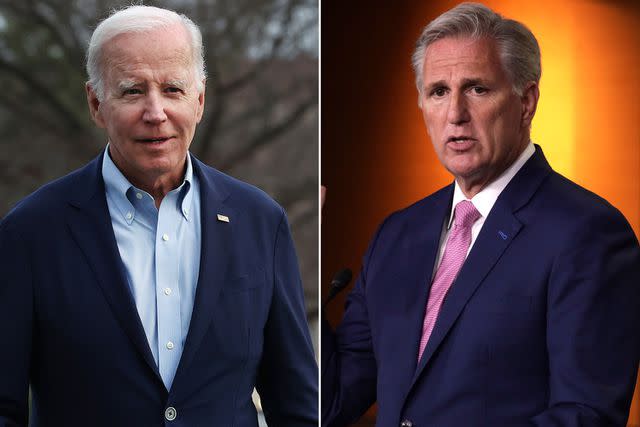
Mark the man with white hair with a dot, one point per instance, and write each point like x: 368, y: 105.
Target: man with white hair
x: 147, y: 288
x: 510, y: 297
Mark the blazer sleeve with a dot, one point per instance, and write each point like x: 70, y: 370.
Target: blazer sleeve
x: 348, y: 364
x: 16, y: 320
x: 288, y: 375
x: 593, y: 326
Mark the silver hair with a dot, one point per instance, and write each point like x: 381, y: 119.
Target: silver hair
x: 140, y: 19
x: 517, y: 46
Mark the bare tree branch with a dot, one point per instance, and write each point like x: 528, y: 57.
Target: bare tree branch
x: 30, y: 11
x: 293, y: 195
x: 307, y: 216
x: 269, y: 134
x: 39, y: 120
x: 207, y: 132
x: 35, y: 11
x: 44, y: 93
x: 262, y: 64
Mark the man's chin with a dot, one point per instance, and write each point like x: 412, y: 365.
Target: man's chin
x: 156, y: 167
x: 464, y: 168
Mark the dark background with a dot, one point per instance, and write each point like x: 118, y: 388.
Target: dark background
x: 377, y: 157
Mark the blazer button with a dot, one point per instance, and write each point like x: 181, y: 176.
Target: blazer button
x: 406, y: 423
x: 170, y: 413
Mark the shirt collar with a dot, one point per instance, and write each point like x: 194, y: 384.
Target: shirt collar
x: 186, y: 189
x: 117, y: 186
x: 486, y: 198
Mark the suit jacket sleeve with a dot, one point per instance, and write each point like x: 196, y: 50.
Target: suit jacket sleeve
x: 349, y: 370
x: 16, y: 311
x: 593, y: 326
x: 288, y: 375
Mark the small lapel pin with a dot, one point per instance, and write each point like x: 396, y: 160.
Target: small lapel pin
x: 223, y: 218
x: 504, y: 236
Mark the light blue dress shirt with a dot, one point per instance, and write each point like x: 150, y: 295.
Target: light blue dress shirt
x: 160, y: 249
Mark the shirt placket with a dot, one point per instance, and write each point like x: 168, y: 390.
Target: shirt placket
x: 167, y: 290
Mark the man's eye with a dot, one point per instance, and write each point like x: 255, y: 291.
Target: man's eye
x: 174, y: 89
x: 479, y: 90
x: 131, y: 92
x: 438, y: 92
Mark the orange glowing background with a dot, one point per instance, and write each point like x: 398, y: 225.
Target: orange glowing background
x: 377, y: 158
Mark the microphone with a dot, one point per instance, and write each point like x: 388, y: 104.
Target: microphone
x: 339, y: 282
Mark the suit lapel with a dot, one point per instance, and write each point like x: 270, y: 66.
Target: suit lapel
x: 486, y: 251
x: 498, y: 231
x: 420, y: 261
x: 90, y: 225
x: 216, y: 241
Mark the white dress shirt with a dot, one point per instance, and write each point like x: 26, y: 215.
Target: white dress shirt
x: 483, y: 201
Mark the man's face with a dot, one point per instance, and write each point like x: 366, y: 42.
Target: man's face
x: 478, y: 125
x: 151, y: 105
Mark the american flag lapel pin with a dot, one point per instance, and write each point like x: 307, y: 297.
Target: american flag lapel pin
x: 223, y: 218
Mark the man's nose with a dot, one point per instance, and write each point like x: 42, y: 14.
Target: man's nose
x: 154, y: 109
x: 458, y: 110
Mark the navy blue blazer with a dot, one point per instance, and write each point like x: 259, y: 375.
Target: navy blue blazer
x: 540, y: 328
x: 70, y: 328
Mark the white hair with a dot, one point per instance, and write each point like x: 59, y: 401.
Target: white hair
x: 517, y: 46
x: 140, y: 19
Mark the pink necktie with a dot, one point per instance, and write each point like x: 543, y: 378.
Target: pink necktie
x: 454, y: 255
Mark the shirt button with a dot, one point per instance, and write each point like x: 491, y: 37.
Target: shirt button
x: 139, y: 196
x: 406, y: 423
x: 165, y: 237
x: 170, y: 413
x: 129, y: 215
x: 167, y: 291
x: 170, y: 345
x: 186, y: 211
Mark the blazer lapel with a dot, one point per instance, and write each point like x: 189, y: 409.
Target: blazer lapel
x: 90, y: 225
x: 216, y: 241
x: 498, y: 231
x: 420, y: 261
x: 486, y: 251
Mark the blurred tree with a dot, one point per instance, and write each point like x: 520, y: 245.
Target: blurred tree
x: 261, y: 115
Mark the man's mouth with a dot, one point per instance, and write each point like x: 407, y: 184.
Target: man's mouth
x: 460, y: 139
x: 154, y: 140
x: 460, y: 142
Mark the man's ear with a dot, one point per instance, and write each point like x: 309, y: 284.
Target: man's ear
x: 94, y: 106
x: 201, y: 101
x: 530, y: 96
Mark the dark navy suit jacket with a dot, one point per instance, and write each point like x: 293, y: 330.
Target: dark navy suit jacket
x: 70, y: 328
x: 540, y: 328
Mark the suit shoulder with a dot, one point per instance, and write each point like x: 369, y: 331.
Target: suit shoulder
x: 44, y: 204
x: 422, y: 207
x: 568, y: 200
x: 241, y: 194
x: 406, y: 221
x: 572, y: 214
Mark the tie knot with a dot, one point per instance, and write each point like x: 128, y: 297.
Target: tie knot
x: 465, y: 214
